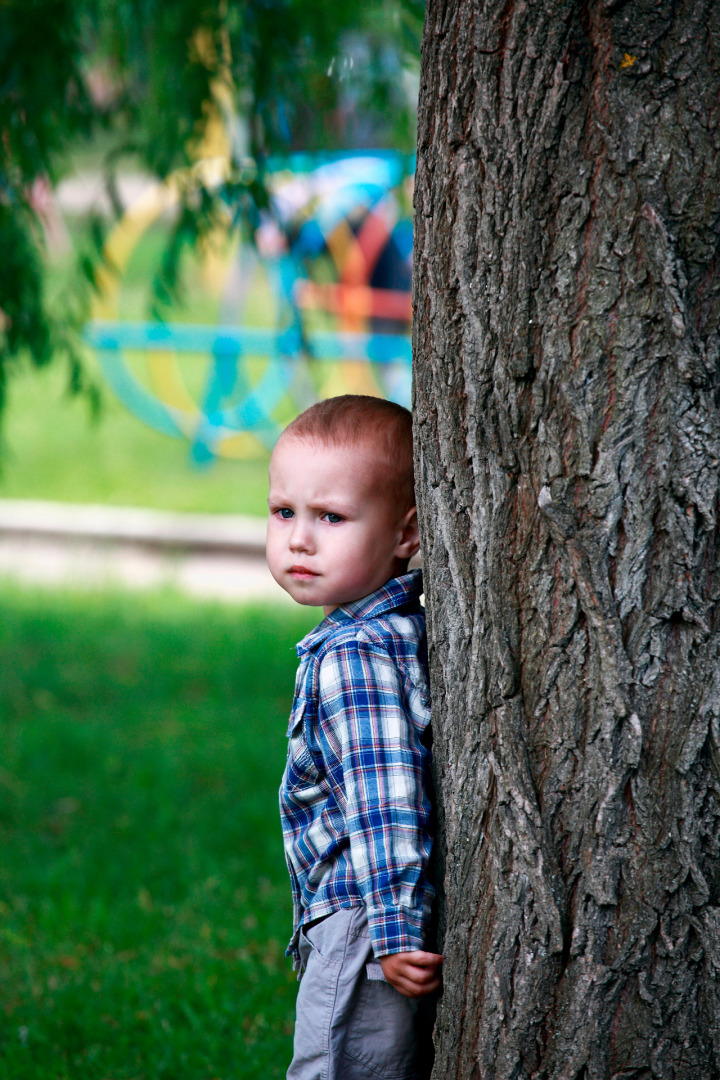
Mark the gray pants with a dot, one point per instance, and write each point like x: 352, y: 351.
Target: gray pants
x: 351, y: 1024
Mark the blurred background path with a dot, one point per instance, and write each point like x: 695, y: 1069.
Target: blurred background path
x: 221, y: 556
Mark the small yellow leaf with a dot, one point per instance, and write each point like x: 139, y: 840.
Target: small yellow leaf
x: 627, y: 60
x: 144, y: 899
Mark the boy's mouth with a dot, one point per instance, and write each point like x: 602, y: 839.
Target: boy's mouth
x: 302, y: 572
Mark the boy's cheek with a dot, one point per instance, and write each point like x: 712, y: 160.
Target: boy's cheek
x: 273, y: 551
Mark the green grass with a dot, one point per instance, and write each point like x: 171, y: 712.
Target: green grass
x: 54, y: 449
x: 144, y: 905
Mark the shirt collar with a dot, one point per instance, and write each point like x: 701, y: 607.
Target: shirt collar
x: 393, y: 594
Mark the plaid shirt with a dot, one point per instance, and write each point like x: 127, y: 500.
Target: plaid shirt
x: 354, y: 796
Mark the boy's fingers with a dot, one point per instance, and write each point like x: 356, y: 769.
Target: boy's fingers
x: 412, y: 989
x: 413, y: 973
x: 425, y: 987
x: 424, y: 959
x: 419, y: 980
x: 422, y: 975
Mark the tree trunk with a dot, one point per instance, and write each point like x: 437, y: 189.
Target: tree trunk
x: 567, y: 399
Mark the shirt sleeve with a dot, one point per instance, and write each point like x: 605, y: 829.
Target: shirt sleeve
x: 387, y: 810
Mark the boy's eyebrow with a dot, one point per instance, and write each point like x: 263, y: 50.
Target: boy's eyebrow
x: 333, y: 505
x: 330, y: 504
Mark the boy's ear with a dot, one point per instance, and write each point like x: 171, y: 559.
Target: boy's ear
x: 409, y: 541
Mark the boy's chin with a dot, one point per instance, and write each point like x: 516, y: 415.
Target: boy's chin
x: 305, y: 596
x: 307, y: 601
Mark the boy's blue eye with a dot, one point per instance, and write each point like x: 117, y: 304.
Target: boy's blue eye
x: 285, y: 513
x: 333, y: 519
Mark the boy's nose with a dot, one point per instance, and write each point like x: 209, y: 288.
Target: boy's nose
x: 301, y: 537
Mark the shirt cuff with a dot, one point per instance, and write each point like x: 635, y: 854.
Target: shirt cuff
x: 396, y: 930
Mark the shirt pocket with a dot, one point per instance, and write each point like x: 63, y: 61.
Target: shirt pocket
x: 301, y: 771
x: 296, y: 723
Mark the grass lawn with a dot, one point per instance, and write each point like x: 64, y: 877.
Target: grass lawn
x: 144, y: 906
x: 54, y: 449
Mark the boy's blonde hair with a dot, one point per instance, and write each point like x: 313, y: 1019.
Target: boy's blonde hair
x: 382, y: 425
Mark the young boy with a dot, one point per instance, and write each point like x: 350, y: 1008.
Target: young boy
x: 354, y: 797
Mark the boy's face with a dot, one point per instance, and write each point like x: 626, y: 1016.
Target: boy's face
x: 332, y: 536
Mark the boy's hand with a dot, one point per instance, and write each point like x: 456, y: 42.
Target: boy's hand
x: 412, y: 973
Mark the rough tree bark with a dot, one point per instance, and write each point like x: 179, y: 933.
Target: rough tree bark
x: 567, y: 397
